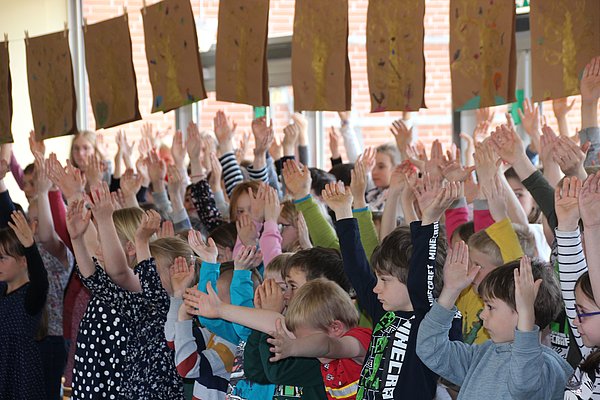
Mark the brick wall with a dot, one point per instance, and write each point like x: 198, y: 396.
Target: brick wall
x: 433, y: 122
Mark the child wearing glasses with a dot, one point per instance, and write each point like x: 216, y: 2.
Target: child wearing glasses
x: 577, y: 283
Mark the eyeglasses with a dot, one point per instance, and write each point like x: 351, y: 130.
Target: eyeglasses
x: 581, y: 315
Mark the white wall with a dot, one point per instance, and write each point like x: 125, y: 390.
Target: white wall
x: 39, y: 17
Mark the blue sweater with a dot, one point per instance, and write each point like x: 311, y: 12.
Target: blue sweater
x: 523, y: 369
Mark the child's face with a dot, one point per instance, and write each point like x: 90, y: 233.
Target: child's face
x: 243, y: 205
x: 500, y: 320
x: 392, y: 293
x: 289, y: 233
x: 588, y: 327
x: 382, y: 171
x: 525, y: 198
x: 29, y: 186
x: 12, y: 269
x: 485, y: 261
x: 294, y: 281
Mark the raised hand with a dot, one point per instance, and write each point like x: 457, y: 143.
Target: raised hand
x: 246, y: 230
x: 36, y: 146
x: 458, y: 275
x: 358, y: 183
x: 124, y: 148
x: 530, y: 118
x: 590, y: 81
x: 589, y: 201
x: 570, y: 157
x: 216, y: 172
x: 300, y: 120
x: 257, y: 203
x: 224, y: 130
x: 193, y: 144
x: 454, y: 171
x: 175, y: 186
x: 291, y: 133
x: 263, y: 135
x: 69, y: 180
x: 182, y: 276
x: 526, y: 290
x: 487, y: 163
x: 303, y: 235
x: 148, y: 227
x: 21, y: 228
x: 166, y: 229
x: 339, y: 199
x: 249, y: 257
x: 547, y: 145
x: 507, y: 144
x: 433, y: 166
x: 566, y: 203
x: 272, y: 207
x: 334, y: 143
x: 242, y: 149
x: 207, y: 252
x: 131, y: 183
x: 443, y: 199
x: 269, y: 296
x: 297, y: 179
x: 402, y: 134
x: 94, y: 170
x: 495, y: 195
x: 102, y: 206
x: 142, y: 170
x: 282, y: 342
x: 43, y: 184
x: 199, y: 303
x: 485, y: 115
x: 427, y: 190
x: 561, y: 107
x: 157, y: 169
x: 276, y: 149
x: 178, y: 149
x: 368, y: 158
x: 78, y: 218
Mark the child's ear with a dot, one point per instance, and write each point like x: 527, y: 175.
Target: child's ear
x: 337, y: 328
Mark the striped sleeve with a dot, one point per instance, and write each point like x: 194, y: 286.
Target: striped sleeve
x: 261, y: 174
x: 232, y: 174
x: 571, y: 265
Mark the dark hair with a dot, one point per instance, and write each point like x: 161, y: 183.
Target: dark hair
x: 465, y: 231
x: 392, y: 256
x: 500, y: 284
x: 29, y: 169
x: 320, y: 178
x: 224, y: 235
x: 592, y: 361
x: 10, y: 244
x: 319, y: 262
x: 342, y: 172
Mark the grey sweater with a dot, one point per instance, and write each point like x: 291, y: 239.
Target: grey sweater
x: 523, y: 369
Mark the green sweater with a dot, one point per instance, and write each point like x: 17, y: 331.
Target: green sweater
x: 293, y: 371
x: 322, y: 233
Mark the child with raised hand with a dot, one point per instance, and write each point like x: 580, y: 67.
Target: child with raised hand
x: 199, y: 353
x: 398, y: 294
x: 520, y: 300
x: 325, y: 325
x: 23, y: 291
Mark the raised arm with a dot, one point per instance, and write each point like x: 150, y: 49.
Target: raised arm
x: 78, y: 220
x: 589, y: 207
x: 590, y: 93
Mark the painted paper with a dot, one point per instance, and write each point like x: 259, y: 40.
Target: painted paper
x: 395, y: 59
x: 172, y: 52
x: 241, y: 59
x: 482, y: 53
x: 6, y: 108
x: 320, y: 67
x: 565, y: 36
x: 113, y: 88
x: 51, y: 90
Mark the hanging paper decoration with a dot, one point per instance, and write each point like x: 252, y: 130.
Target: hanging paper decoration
x: 320, y: 67
x: 395, y: 59
x: 113, y: 88
x: 172, y: 52
x: 6, y: 107
x: 51, y: 90
x: 241, y: 59
x: 565, y: 36
x: 482, y: 53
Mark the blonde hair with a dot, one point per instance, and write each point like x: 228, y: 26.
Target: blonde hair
x: 278, y: 264
x: 391, y: 151
x: 318, y: 304
x: 483, y: 243
x: 240, y: 189
x: 90, y: 137
x: 169, y: 248
x: 126, y: 221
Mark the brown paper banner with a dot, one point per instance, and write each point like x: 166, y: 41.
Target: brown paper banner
x: 6, y: 108
x: 241, y: 59
x: 51, y: 90
x: 395, y: 59
x: 482, y: 53
x: 565, y: 36
x: 173, y: 57
x: 113, y: 88
x: 320, y: 65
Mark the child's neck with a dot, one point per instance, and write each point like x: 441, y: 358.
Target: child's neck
x: 16, y: 283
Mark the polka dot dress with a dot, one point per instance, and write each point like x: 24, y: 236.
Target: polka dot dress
x: 20, y: 363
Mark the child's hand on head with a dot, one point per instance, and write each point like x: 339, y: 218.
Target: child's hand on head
x: 272, y: 207
x: 269, y: 296
x: 77, y: 220
x: 297, y: 179
x: 149, y: 226
x: 589, y: 201
x: 207, y: 252
x: 457, y: 274
x: 246, y: 230
x: 339, y: 199
x: 182, y: 276
x: 282, y: 342
x: 526, y: 290
x: 257, y: 203
x: 566, y: 203
x: 21, y: 228
x: 167, y: 229
x: 202, y: 304
x: 248, y: 258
